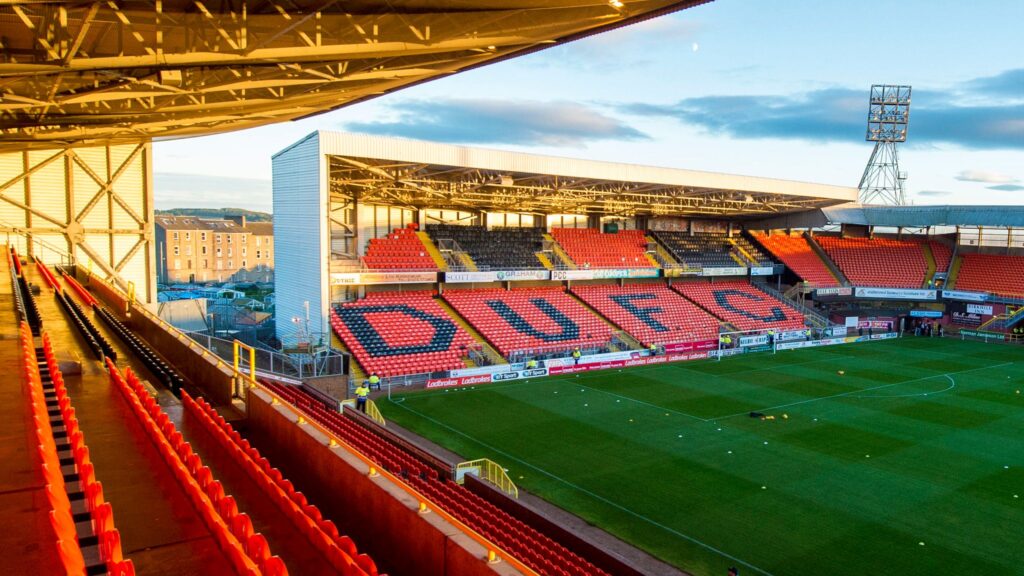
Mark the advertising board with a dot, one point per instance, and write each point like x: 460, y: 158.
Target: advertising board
x: 496, y: 276
x: 724, y: 271
x: 361, y: 278
x: 966, y: 296
x: 895, y: 293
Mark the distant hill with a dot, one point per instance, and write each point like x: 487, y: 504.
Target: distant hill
x: 250, y: 215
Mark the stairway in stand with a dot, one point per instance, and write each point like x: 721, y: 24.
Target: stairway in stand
x: 488, y: 349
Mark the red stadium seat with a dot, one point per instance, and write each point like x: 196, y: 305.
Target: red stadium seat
x: 796, y: 253
x: 651, y: 313
x: 742, y: 305
x: 590, y: 248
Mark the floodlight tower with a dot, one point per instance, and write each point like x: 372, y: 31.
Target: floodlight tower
x: 888, y: 118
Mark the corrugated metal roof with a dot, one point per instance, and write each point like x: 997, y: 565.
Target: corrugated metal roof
x: 406, y: 150
x: 921, y: 216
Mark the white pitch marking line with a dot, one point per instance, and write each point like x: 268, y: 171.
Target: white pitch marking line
x: 853, y: 392
x: 593, y: 495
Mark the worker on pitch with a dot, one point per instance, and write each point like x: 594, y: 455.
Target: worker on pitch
x: 362, y: 393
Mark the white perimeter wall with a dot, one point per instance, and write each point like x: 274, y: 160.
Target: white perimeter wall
x: 301, y: 236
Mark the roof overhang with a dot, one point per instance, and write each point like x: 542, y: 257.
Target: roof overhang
x: 107, y: 72
x: 395, y: 171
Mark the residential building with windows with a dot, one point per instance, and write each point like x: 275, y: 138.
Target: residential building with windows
x: 191, y: 249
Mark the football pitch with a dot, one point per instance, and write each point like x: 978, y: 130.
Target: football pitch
x: 910, y: 463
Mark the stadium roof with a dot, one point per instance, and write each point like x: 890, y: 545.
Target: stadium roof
x: 382, y: 170
x: 101, y: 72
x: 923, y: 216
x: 899, y: 217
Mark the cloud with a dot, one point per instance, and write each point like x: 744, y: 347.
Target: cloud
x: 1007, y: 187
x: 1008, y: 84
x: 489, y: 121
x: 180, y: 190
x: 985, y: 177
x: 840, y: 114
x: 933, y: 193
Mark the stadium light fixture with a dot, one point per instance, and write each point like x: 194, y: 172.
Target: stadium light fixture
x: 888, y: 120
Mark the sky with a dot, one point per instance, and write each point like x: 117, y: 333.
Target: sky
x: 765, y: 88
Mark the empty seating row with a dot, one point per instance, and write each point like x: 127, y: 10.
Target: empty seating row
x: 885, y: 262
x: 651, y: 313
x: 590, y: 248
x: 79, y: 514
x: 19, y: 301
x: 167, y: 375
x: 710, y: 249
x: 83, y: 294
x: 798, y: 255
x: 393, y: 333
x: 742, y: 305
x: 495, y: 249
x: 525, y: 542
x: 539, y: 321
x: 942, y: 254
x: 340, y: 551
x: 245, y: 549
x: 402, y: 249
x: 48, y: 276
x: 34, y: 319
x: 998, y: 274
x: 387, y: 455
x: 97, y: 343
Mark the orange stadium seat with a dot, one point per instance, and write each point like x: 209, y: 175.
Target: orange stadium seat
x: 998, y: 274
x: 742, y: 305
x: 651, y: 313
x: 590, y: 248
x: 796, y: 253
x: 882, y: 262
x: 393, y: 333
x: 533, y: 321
x: 527, y: 543
x: 400, y: 250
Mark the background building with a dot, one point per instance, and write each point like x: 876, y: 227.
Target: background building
x: 191, y: 249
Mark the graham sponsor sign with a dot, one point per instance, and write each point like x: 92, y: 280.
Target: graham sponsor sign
x: 895, y: 294
x: 360, y: 278
x: 496, y: 276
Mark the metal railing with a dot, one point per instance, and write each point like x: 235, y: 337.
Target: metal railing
x: 816, y: 317
x: 336, y: 442
x: 489, y: 471
x: 325, y: 362
x: 36, y: 246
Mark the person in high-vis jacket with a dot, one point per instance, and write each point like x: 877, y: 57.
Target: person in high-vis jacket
x: 531, y: 363
x: 374, y: 381
x: 576, y: 355
x: 362, y: 393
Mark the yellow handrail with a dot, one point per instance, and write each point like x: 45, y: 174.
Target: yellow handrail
x: 371, y: 410
x: 236, y: 346
x: 490, y: 471
x: 494, y: 552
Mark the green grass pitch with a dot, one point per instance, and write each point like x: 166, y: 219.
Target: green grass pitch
x: 911, y: 463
